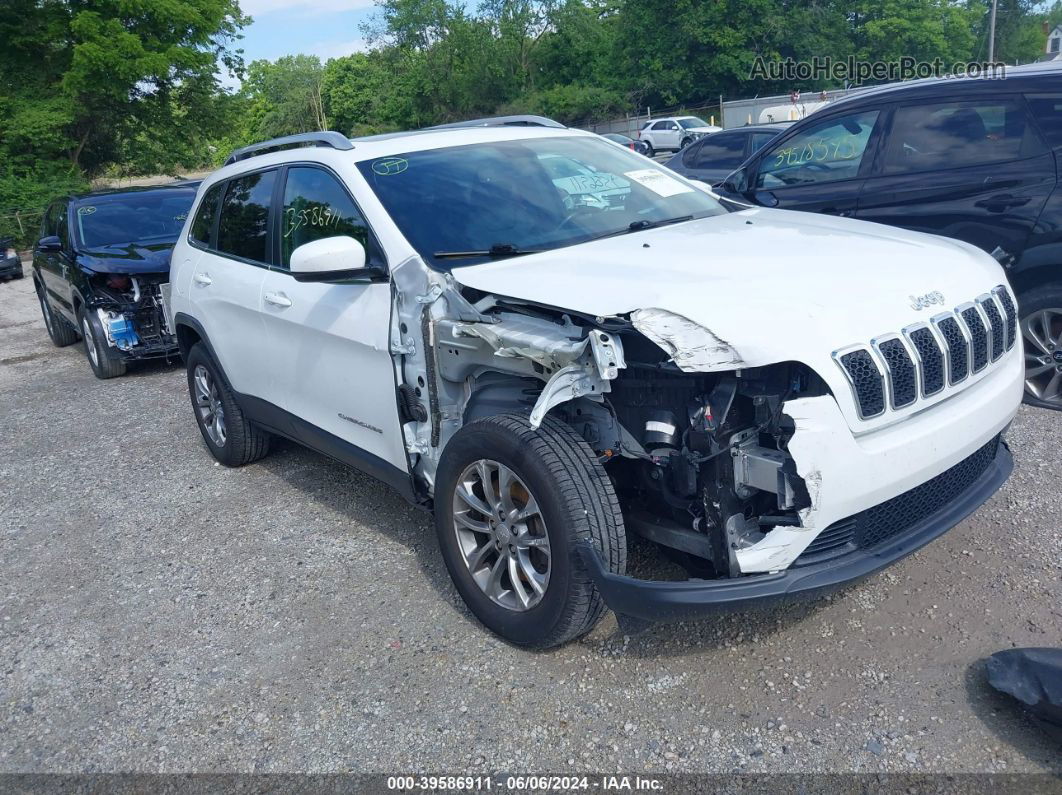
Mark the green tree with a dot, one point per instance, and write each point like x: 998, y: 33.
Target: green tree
x: 80, y: 74
x: 286, y: 96
x: 85, y: 84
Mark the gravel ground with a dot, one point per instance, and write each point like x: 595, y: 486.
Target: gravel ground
x: 161, y: 613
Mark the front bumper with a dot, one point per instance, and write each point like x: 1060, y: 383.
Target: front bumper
x: 637, y: 602
x: 166, y: 348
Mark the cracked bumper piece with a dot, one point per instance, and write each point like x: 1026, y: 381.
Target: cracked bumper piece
x: 637, y: 602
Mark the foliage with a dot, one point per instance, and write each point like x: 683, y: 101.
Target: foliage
x: 88, y: 84
x: 129, y: 86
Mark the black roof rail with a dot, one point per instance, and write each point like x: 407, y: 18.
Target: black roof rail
x: 327, y: 138
x: 502, y: 121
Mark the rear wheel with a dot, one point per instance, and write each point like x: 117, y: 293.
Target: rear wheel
x: 1041, y: 330
x: 229, y: 436
x: 649, y: 150
x: 104, y: 365
x: 511, y: 505
x: 59, y: 331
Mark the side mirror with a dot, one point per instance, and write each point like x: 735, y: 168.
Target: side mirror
x: 737, y: 183
x: 49, y: 243
x: 765, y: 198
x: 333, y: 259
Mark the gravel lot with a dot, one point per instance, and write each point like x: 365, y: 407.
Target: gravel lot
x: 161, y: 613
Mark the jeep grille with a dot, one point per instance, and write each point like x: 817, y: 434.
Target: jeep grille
x: 896, y: 370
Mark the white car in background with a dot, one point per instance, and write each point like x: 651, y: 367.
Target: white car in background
x: 551, y: 376
x: 674, y: 132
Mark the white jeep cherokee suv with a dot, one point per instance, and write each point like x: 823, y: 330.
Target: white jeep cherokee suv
x: 551, y: 376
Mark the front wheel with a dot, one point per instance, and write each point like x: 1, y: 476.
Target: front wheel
x: 1041, y: 329
x: 685, y: 142
x: 97, y: 351
x: 511, y: 505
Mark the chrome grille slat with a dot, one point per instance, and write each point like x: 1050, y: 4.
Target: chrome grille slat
x: 1011, y: 313
x: 997, y: 332
x: 895, y: 370
x: 958, y: 348
x: 929, y: 356
x: 975, y: 325
x: 866, y: 380
x: 900, y: 371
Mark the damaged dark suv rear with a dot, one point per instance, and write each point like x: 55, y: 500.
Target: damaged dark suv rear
x: 98, y: 269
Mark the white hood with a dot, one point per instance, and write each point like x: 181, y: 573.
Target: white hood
x: 769, y: 285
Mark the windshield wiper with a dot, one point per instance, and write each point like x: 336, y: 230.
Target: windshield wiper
x: 642, y: 225
x: 494, y: 252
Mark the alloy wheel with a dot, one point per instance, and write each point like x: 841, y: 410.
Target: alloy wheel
x: 1042, y: 331
x: 501, y: 535
x: 90, y: 342
x: 209, y: 406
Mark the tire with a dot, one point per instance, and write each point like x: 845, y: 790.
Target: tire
x: 1040, y: 324
x: 60, y: 332
x: 685, y: 142
x: 649, y: 150
x: 556, y: 469
x: 238, y: 442
x: 104, y: 364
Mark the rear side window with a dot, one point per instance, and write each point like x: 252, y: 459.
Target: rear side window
x: 760, y: 140
x: 1047, y: 108
x: 317, y: 206
x: 203, y: 226
x: 244, y: 227
x: 957, y: 134
x: 720, y: 151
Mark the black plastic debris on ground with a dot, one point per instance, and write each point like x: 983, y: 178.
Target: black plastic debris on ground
x: 1033, y: 677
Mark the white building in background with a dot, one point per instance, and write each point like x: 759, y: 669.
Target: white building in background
x: 1054, y: 45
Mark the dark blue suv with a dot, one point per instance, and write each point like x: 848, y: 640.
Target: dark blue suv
x: 99, y: 267
x: 974, y: 159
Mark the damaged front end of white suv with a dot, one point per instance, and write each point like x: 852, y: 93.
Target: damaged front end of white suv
x: 761, y: 473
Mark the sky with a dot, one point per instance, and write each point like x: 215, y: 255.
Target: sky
x: 325, y: 28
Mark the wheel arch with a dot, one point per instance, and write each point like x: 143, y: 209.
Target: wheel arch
x: 190, y: 331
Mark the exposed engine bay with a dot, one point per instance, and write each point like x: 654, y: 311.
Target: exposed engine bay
x: 130, y: 309
x: 699, y: 459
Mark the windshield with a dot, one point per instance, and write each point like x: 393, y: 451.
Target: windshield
x: 690, y: 123
x: 136, y: 218
x: 526, y: 196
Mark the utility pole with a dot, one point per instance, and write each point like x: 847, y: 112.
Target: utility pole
x: 992, y: 33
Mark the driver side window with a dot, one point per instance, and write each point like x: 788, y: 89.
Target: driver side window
x: 825, y: 152
x: 317, y: 206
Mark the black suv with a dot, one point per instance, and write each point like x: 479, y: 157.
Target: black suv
x: 98, y: 268
x: 974, y: 159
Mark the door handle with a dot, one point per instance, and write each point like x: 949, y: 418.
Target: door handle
x: 203, y: 279
x: 277, y: 299
x: 1001, y: 202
